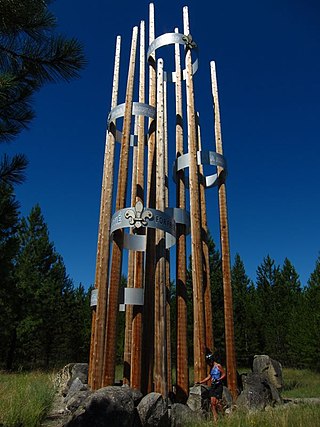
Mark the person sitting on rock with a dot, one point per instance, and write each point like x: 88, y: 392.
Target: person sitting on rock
x: 216, y: 375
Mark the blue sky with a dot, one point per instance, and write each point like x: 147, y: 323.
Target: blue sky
x: 268, y: 65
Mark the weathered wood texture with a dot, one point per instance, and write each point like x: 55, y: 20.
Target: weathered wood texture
x: 148, y: 329
x: 196, y: 243
x: 116, y: 259
x: 135, y: 379
x: 206, y: 262
x: 130, y: 284
x: 160, y: 357
x: 225, y: 249
x: 102, y: 261
x: 182, y: 376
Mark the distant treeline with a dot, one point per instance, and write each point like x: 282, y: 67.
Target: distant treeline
x: 46, y: 321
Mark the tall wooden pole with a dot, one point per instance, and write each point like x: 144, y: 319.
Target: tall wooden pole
x: 135, y: 381
x: 116, y: 261
x: 225, y: 250
x: 102, y: 263
x: 130, y: 284
x: 182, y: 376
x: 147, y: 347
x: 148, y: 329
x: 167, y: 251
x: 206, y: 261
x: 196, y: 244
x: 160, y: 368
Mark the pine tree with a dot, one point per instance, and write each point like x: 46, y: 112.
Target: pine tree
x: 217, y: 303
x: 31, y: 55
x: 267, y: 277
x: 41, y: 280
x: 217, y: 299
x: 243, y: 303
x: 287, y: 292
x: 312, y: 293
x: 9, y: 213
x: 73, y: 341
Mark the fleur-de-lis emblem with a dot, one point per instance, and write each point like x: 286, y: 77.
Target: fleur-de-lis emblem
x: 138, y: 216
x: 189, y: 41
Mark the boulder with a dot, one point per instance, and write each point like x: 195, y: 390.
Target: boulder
x: 269, y: 368
x: 181, y: 414
x: 79, y: 370
x: 227, y: 400
x: 62, y: 379
x: 198, y: 400
x: 135, y: 394
x: 75, y: 387
x: 153, y: 411
x: 77, y: 400
x: 65, y: 377
x: 257, y: 393
x: 108, y: 406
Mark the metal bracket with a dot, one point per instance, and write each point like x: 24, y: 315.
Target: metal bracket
x: 94, y: 298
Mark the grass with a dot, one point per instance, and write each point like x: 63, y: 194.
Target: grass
x: 297, y: 384
x: 287, y: 416
x: 25, y: 398
x: 300, y: 383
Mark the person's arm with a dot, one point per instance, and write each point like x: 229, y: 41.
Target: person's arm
x: 205, y: 380
x: 223, y: 373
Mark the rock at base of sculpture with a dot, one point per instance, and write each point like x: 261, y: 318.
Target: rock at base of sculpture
x: 271, y: 369
x: 181, y: 414
x: 198, y: 400
x: 153, y: 410
x: 68, y: 374
x: 121, y: 406
x: 111, y: 405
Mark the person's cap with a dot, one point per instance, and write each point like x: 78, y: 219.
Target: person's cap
x: 210, y: 357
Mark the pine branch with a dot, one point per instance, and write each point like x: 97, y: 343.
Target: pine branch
x: 57, y: 59
x: 28, y: 16
x: 30, y: 56
x: 49, y: 61
x: 15, y: 106
x: 12, y: 171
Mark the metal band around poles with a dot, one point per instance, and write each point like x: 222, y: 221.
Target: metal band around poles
x: 174, y: 38
x: 138, y: 109
x: 136, y: 217
x: 154, y: 218
x: 204, y: 158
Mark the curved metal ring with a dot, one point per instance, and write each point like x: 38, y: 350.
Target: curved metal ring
x: 172, y: 38
x: 136, y: 242
x: 138, y: 109
x: 181, y: 216
x: 203, y: 157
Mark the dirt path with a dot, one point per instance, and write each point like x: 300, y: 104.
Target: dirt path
x: 58, y: 416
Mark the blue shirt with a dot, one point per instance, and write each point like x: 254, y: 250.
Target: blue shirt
x: 215, y: 373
